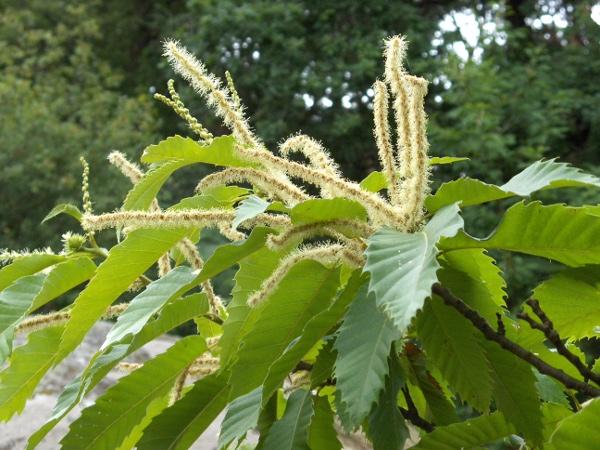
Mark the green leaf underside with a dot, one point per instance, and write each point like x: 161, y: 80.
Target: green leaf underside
x: 305, y: 291
x: 115, y: 414
x: 540, y: 175
x: 550, y: 390
x: 514, y: 391
x: 248, y: 209
x: 71, y: 210
x: 254, y: 269
x: 173, y: 315
x: 403, y: 266
x: 180, y: 425
x: 322, y: 434
x: 453, y: 345
x: 125, y: 263
x: 242, y: 414
x: 387, y: 427
x: 363, y: 345
x: 150, y: 301
x: 315, y: 329
x: 140, y: 197
x: 221, y: 152
x: 27, y: 265
x: 29, y: 364
x: 291, y: 431
x: 571, y: 299
x: 557, y: 232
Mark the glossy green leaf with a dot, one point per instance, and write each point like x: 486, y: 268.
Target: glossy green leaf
x: 125, y: 263
x: 571, y: 299
x: 305, y: 291
x: 452, y: 343
x: 242, y: 414
x: 322, y: 434
x: 315, y: 329
x: 579, y: 430
x: 28, y: 365
x: 291, y: 431
x: 437, y: 160
x: 149, y: 302
x: 248, y: 209
x: 403, y: 266
x: 27, y: 265
x: 221, y: 152
x: 514, y: 391
x: 324, y: 210
x: 114, y: 415
x: 254, y: 269
x: 539, y: 176
x: 472, y: 433
x: 363, y: 344
x: 173, y: 315
x: 180, y: 425
x: 387, y: 427
x: 558, y: 232
x: 553, y: 415
x: 140, y: 197
x: 64, y: 208
x: 374, y: 182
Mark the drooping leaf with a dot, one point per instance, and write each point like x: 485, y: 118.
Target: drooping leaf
x: 173, y: 315
x: 125, y: 263
x: 248, y: 209
x: 71, y: 210
x: 571, y: 299
x: 242, y: 414
x: 254, y: 269
x: 452, y: 343
x: 27, y: 265
x: 291, y: 431
x: 387, y: 427
x: 114, y: 415
x: 221, y: 152
x: 305, y: 291
x: 514, y: 391
x: 322, y: 434
x: 29, y: 364
x: 315, y: 329
x: 579, y: 430
x: 151, y: 300
x: 140, y: 197
x: 363, y: 345
x: 558, y: 232
x: 403, y: 266
x: 472, y: 433
x: 539, y: 176
x: 180, y: 425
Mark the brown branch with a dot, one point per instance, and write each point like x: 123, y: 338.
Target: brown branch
x: 547, y: 327
x: 411, y: 414
x: 492, y: 335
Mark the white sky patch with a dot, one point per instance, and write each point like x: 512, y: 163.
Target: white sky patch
x: 596, y: 13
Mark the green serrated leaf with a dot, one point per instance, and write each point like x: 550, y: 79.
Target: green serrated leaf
x: 125, y: 263
x: 324, y: 210
x: 323, y: 366
x: 558, y: 232
x: 64, y: 208
x: 550, y: 390
x: 579, y: 430
x: 363, y: 344
x: 471, y: 433
x: 180, y: 425
x: 403, y: 266
x: 571, y: 299
x: 514, y: 391
x: 291, y: 431
x: 322, y: 434
x: 173, y: 315
x: 540, y: 175
x: 29, y: 364
x: 248, y: 209
x: 387, y: 427
x: 242, y: 414
x: 553, y: 415
x: 115, y: 414
x: 305, y: 291
x: 436, y: 160
x: 27, y: 265
x: 314, y: 331
x: 221, y: 152
x: 142, y: 194
x: 453, y: 346
x: 149, y: 302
